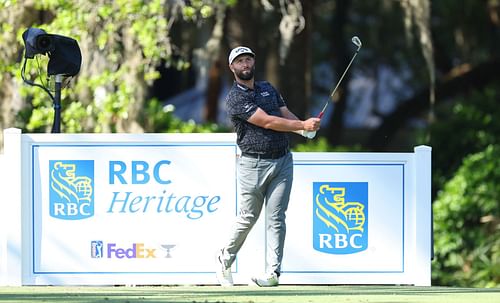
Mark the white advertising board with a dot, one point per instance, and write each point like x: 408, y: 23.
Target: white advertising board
x: 348, y: 231
x: 153, y: 209
x: 123, y: 209
x: 349, y: 219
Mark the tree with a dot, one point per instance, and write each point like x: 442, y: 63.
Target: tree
x: 341, y: 52
x: 122, y: 43
x: 460, y: 82
x: 466, y: 35
x: 467, y: 217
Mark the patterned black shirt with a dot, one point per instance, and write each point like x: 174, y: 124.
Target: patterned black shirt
x: 241, y: 103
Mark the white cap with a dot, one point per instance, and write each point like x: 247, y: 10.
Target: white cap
x: 240, y: 50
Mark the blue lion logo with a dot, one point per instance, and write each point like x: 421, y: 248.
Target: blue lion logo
x: 336, y: 213
x: 340, y: 217
x: 71, y: 189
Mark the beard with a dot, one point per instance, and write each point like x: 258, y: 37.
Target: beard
x: 245, y: 75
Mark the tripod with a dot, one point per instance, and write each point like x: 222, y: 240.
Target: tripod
x: 56, y: 98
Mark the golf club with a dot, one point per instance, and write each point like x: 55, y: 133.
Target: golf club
x: 356, y: 41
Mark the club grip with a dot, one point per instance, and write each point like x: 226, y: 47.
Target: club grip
x: 320, y: 115
x: 308, y: 134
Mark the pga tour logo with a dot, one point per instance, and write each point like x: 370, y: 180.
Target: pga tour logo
x: 96, y: 249
x: 71, y: 195
x: 340, y: 217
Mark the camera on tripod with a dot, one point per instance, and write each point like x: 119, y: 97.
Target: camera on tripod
x: 65, y: 60
x: 64, y: 53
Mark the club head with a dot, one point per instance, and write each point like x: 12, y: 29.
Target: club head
x: 355, y: 40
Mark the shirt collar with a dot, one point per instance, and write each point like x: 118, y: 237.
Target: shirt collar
x: 243, y: 87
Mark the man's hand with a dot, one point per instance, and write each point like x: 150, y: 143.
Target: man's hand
x: 312, y: 124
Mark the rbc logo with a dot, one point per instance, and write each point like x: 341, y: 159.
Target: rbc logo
x: 71, y: 189
x: 340, y: 217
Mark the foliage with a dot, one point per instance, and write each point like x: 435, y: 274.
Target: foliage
x: 122, y: 43
x: 467, y: 224
x: 467, y: 126
x: 465, y: 163
x: 162, y: 119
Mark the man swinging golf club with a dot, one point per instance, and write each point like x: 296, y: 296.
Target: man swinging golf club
x: 265, y: 170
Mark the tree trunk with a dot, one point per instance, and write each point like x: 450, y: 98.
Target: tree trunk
x: 295, y: 84
x: 213, y: 92
x: 341, y: 57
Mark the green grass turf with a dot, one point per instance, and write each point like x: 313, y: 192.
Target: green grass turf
x: 281, y: 294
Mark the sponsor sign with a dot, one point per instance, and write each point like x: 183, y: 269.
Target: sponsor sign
x: 114, y: 209
x: 352, y: 218
x: 153, y: 208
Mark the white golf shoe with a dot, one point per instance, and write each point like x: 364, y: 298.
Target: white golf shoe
x: 223, y: 273
x: 267, y: 281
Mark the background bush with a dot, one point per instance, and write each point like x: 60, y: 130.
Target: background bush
x: 467, y: 224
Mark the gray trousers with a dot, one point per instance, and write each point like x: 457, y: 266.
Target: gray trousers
x: 262, y: 181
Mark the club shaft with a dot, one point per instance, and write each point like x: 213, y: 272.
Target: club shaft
x: 338, y: 84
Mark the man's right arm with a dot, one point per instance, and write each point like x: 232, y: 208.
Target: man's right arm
x: 262, y: 119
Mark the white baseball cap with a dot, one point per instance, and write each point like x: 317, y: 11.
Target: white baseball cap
x: 240, y: 50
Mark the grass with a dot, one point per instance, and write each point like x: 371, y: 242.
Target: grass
x: 281, y: 294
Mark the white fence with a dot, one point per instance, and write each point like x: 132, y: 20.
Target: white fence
x: 108, y: 209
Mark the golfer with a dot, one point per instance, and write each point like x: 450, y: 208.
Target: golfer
x: 265, y: 169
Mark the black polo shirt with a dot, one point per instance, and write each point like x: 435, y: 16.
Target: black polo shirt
x: 241, y: 103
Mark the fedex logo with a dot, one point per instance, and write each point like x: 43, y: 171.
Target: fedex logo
x: 136, y: 251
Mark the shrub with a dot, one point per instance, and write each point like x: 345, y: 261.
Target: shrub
x: 467, y: 224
